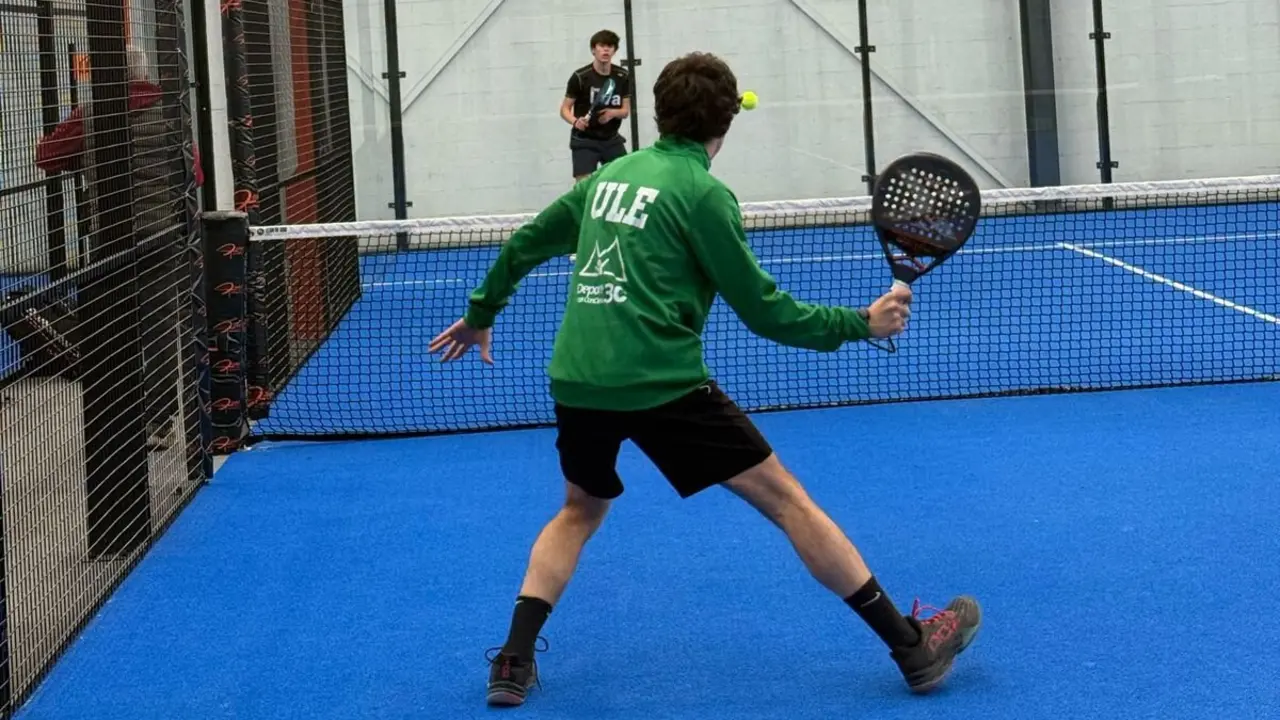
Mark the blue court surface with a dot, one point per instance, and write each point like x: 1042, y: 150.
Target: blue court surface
x: 1124, y: 546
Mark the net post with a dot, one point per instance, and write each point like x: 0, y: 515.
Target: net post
x: 396, y: 111
x: 864, y: 50
x: 119, y: 505
x: 226, y: 247
x: 1099, y: 36
x: 632, y: 62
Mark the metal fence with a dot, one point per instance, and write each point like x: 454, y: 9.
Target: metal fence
x: 119, y: 384
x: 100, y: 429
x: 288, y: 61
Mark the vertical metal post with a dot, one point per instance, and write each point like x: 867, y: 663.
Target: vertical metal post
x: 84, y: 228
x: 343, y: 259
x: 1040, y: 93
x: 632, y: 62
x: 864, y: 50
x: 55, y: 221
x: 393, y: 75
x: 175, y: 82
x: 204, y: 103
x: 340, y: 104
x: 119, y: 503
x: 1099, y: 37
x: 247, y: 54
x: 322, y: 115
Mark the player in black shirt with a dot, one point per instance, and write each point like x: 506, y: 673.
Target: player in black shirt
x: 595, y: 141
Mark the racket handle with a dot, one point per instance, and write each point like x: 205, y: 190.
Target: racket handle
x: 899, y: 283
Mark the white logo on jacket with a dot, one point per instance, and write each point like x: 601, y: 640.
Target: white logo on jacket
x: 604, y: 263
x: 605, y: 269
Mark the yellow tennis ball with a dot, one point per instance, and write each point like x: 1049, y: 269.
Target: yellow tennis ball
x: 749, y: 100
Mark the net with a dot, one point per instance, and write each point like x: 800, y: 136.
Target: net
x: 1061, y: 289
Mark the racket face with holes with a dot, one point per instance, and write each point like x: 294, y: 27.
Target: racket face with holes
x: 924, y: 208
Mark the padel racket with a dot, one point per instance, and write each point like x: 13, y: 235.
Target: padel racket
x: 924, y: 208
x: 603, y: 97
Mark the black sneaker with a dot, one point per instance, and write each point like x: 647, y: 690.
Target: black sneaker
x: 510, y: 677
x: 943, y: 636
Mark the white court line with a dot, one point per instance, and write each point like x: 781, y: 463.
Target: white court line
x: 1172, y: 283
x: 446, y: 281
x: 1042, y: 247
x: 865, y: 257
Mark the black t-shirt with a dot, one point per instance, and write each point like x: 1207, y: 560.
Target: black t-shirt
x: 583, y: 86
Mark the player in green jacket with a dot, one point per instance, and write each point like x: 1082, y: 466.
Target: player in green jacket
x: 657, y: 237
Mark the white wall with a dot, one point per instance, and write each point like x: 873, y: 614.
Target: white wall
x: 482, y: 133
x: 472, y: 152
x: 219, y: 127
x: 1193, y: 88
x: 1192, y: 91
x: 806, y: 138
x: 367, y: 100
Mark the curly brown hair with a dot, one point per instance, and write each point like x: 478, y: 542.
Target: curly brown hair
x: 696, y: 97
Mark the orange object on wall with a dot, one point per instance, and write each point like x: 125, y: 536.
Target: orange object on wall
x: 81, y: 67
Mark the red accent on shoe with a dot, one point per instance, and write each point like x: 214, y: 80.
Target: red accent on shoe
x: 946, y: 622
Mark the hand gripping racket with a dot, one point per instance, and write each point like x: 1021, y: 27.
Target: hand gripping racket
x: 924, y: 207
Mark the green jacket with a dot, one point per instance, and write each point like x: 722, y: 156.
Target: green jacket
x: 657, y: 237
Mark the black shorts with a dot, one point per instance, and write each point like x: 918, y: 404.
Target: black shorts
x: 588, y: 153
x: 697, y: 441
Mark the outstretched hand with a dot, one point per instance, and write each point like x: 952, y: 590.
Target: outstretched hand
x: 458, y: 339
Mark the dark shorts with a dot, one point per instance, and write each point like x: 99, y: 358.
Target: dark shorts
x: 588, y: 154
x: 697, y: 441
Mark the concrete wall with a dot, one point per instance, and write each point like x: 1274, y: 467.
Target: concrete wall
x: 507, y: 151
x: 806, y: 139
x: 482, y: 133
x: 1193, y: 88
x: 1192, y: 91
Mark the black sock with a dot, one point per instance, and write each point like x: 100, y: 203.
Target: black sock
x: 526, y: 622
x: 876, y: 609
